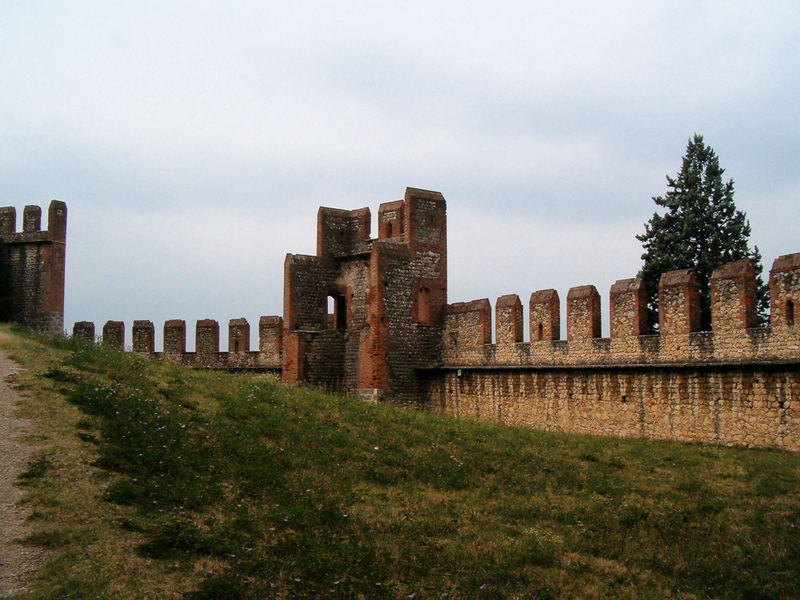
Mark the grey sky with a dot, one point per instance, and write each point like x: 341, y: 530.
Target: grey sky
x: 193, y: 141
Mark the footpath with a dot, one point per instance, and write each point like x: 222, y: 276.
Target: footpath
x: 17, y: 562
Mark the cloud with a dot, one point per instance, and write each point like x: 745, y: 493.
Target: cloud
x: 182, y: 127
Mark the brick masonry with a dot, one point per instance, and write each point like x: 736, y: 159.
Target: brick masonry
x: 386, y: 298
x: 369, y: 317
x: 32, y: 264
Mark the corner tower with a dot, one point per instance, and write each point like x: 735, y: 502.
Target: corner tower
x: 32, y: 265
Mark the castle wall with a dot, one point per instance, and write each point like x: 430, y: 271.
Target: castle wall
x: 32, y: 264
x: 736, y: 384
x: 747, y: 405
x: 207, y: 352
x: 369, y: 317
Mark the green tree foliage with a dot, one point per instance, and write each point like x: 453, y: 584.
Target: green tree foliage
x: 701, y: 230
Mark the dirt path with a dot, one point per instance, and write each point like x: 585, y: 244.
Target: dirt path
x: 17, y: 562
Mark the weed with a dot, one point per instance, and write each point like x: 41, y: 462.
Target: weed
x: 36, y: 469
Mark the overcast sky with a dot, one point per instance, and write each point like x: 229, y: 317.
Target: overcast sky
x: 194, y: 141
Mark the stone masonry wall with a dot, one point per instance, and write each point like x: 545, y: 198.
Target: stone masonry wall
x: 737, y: 384
x: 739, y: 405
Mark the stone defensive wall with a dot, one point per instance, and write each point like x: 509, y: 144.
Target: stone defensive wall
x: 737, y: 384
x: 207, y: 354
x: 369, y: 317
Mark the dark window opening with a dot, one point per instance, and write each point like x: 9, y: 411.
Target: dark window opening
x: 388, y: 229
x: 540, y: 332
x: 789, y: 313
x: 336, y: 311
x: 236, y: 345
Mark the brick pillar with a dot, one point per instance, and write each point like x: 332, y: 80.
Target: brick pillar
x: 32, y: 219
x: 207, y: 337
x: 175, y: 336
x: 508, y: 320
x: 583, y: 313
x: 83, y: 330
x: 144, y: 337
x: 545, y: 311
x: 238, y: 335
x: 784, y: 292
x: 628, y: 299
x: 8, y: 219
x: 678, y: 303
x: 114, y: 333
x: 294, y: 357
x: 733, y: 296
x: 374, y: 373
x: 57, y: 221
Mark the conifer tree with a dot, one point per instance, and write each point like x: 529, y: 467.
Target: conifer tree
x: 701, y: 230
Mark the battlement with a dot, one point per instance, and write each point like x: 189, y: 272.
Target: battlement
x: 33, y: 264
x: 342, y: 232
x: 733, y: 338
x: 32, y: 224
x: 207, y: 352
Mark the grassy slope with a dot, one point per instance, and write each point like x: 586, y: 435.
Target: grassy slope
x: 159, y: 482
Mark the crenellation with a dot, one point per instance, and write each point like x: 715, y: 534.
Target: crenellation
x: 32, y: 219
x: 391, y: 221
x: 340, y: 231
x: 733, y: 297
x: 736, y: 340
x: 174, y: 338
x: 508, y: 321
x: 238, y: 336
x: 784, y: 287
x: 114, y: 334
x: 8, y: 220
x: 270, y: 331
x: 628, y: 306
x: 144, y: 337
x: 467, y: 329
x: 545, y: 316
x: 679, y: 303
x: 84, y: 330
x: 583, y: 313
x: 207, y: 337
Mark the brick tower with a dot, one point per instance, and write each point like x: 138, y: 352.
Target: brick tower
x: 32, y: 267
x: 363, y: 314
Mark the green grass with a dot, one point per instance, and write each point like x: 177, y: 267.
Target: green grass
x: 208, y: 485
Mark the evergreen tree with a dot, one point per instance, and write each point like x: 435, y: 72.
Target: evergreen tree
x: 701, y: 230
